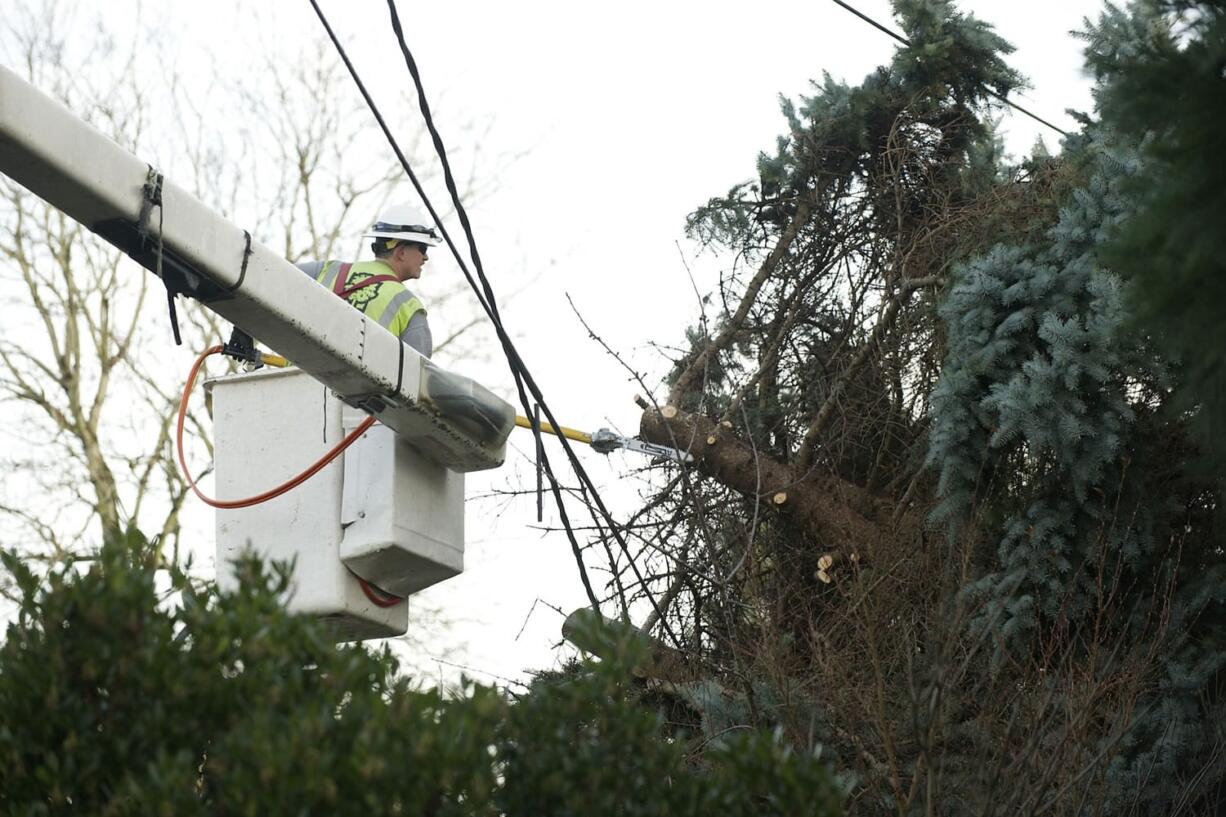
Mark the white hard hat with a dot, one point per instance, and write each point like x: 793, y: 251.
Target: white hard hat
x: 405, y: 222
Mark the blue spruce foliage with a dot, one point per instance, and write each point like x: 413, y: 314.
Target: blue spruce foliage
x: 1049, y: 436
x: 1032, y: 411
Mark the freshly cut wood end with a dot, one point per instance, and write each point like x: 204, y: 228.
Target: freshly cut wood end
x: 641, y: 403
x: 825, y: 561
x: 780, y: 498
x: 823, y: 577
x: 726, y: 424
x: 711, y: 440
x: 669, y: 412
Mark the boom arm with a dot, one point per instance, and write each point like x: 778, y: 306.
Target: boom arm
x: 74, y: 167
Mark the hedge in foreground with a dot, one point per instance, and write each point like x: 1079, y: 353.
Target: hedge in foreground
x: 120, y: 695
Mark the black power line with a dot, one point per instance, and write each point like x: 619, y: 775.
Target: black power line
x: 988, y: 91
x: 404, y: 162
x: 485, y: 296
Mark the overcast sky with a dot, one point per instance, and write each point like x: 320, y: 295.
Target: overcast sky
x: 627, y: 117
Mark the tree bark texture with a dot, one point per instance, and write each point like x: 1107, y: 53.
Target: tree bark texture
x: 839, y: 516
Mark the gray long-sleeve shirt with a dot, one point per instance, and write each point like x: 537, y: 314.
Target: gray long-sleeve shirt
x: 416, y: 334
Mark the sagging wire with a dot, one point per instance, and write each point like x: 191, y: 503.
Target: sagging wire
x: 518, y: 367
x: 485, y: 296
x: 988, y: 91
x: 404, y: 162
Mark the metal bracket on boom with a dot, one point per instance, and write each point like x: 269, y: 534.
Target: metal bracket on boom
x: 178, y: 274
x: 241, y: 346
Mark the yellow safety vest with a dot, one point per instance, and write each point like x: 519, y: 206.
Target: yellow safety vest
x: 385, y: 302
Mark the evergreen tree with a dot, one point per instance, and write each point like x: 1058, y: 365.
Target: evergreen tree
x: 1032, y: 418
x: 1054, y: 645
x: 1049, y: 434
x: 1160, y: 70
x: 1053, y: 432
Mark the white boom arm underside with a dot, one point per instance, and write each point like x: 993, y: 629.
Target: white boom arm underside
x: 74, y: 167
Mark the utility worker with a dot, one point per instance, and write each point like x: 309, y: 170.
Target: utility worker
x: 401, y: 241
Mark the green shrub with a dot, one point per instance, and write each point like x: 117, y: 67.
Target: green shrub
x: 124, y: 693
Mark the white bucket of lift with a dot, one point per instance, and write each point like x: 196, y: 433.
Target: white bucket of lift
x: 381, y: 511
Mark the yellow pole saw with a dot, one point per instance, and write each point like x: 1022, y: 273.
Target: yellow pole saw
x: 606, y: 441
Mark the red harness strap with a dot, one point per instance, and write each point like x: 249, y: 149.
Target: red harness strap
x: 343, y: 276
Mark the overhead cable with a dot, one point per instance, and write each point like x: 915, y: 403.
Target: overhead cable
x: 485, y: 297
x: 518, y: 367
x: 988, y: 91
x: 408, y: 169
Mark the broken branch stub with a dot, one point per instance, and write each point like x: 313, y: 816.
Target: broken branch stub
x: 835, y: 513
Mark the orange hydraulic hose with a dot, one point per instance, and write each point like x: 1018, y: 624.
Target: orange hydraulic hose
x: 274, y: 492
x: 377, y: 596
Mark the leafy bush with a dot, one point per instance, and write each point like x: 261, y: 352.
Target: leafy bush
x: 122, y: 694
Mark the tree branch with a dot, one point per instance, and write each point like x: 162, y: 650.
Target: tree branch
x: 697, y: 366
x: 804, y: 456
x: 837, y: 514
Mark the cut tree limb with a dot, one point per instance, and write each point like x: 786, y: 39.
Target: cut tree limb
x: 603, y: 637
x: 836, y: 513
